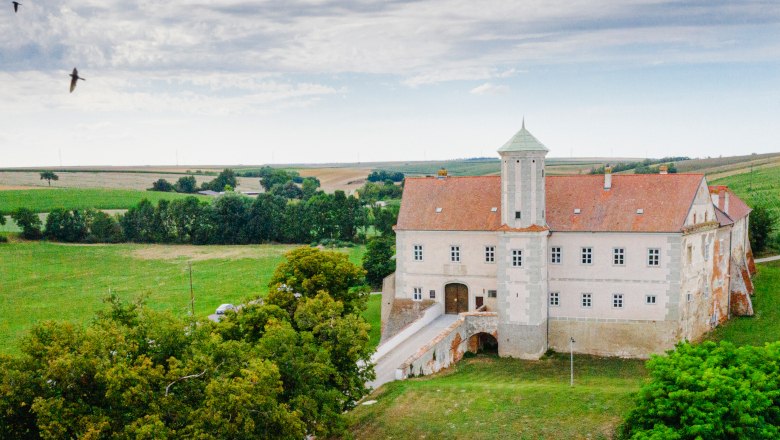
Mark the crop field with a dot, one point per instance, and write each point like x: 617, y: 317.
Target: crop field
x: 41, y: 280
x: 44, y: 200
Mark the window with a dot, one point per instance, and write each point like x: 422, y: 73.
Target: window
x: 417, y: 294
x: 706, y: 252
x: 490, y: 254
x: 689, y: 254
x: 517, y: 258
x: 619, y: 256
x: 518, y: 214
x: 689, y: 297
x: 587, y: 255
x: 649, y: 299
x: 418, y: 252
x: 455, y: 254
x: 653, y: 257
x: 555, y: 255
x: 587, y: 300
x: 617, y: 300
x: 555, y: 299
x: 432, y: 294
x: 492, y: 293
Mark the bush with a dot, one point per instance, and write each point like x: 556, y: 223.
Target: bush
x: 761, y: 226
x: 378, y: 260
x: 3, y: 239
x: 29, y: 222
x: 162, y: 185
x: 709, y: 391
x: 186, y: 185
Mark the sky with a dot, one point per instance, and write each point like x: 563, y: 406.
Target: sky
x: 316, y: 81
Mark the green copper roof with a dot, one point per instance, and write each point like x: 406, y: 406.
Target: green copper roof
x: 523, y: 141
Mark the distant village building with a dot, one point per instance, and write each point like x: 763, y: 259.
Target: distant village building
x: 627, y: 265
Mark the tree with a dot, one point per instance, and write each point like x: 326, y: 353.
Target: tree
x: 65, y: 225
x: 231, y: 215
x: 103, y: 228
x: 162, y: 185
x: 309, y: 187
x: 385, y: 219
x: 308, y: 271
x: 186, y: 184
x: 225, y: 178
x: 49, y: 176
x: 761, y: 227
x: 288, y: 190
x: 29, y: 222
x: 378, y: 260
x: 709, y: 390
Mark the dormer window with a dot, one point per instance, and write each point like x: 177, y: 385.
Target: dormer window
x: 438, y: 210
x: 577, y: 210
x: 494, y: 209
x: 640, y: 211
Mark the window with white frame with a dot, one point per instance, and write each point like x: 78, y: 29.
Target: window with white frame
x: 587, y: 300
x: 517, y: 258
x: 490, y: 254
x: 492, y: 293
x: 650, y: 299
x: 587, y: 255
x: 417, y: 294
x: 654, y: 257
x: 617, y: 300
x: 618, y: 256
x: 455, y: 254
x: 418, y: 252
x: 555, y: 299
x: 555, y: 255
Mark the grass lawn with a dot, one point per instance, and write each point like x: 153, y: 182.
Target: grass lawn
x: 490, y: 397
x: 40, y: 280
x: 373, y: 316
x: 765, y: 325
x: 44, y: 200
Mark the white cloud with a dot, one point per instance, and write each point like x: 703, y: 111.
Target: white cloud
x: 489, y: 89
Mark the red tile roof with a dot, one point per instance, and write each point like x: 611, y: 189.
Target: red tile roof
x: 737, y: 208
x: 466, y: 203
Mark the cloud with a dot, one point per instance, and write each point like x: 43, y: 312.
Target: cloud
x: 489, y: 89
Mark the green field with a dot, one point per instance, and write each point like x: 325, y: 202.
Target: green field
x: 44, y: 200
x: 494, y: 398
x: 491, y: 398
x: 40, y: 280
x: 761, y: 187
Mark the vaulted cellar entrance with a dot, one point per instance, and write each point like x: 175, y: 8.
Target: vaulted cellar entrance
x: 483, y: 343
x: 456, y: 299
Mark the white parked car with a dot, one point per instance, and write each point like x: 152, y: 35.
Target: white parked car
x: 224, y: 308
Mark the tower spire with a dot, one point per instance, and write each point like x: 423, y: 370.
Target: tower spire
x: 523, y: 121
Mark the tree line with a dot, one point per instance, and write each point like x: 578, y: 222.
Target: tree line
x: 225, y: 181
x: 643, y: 167
x: 231, y: 219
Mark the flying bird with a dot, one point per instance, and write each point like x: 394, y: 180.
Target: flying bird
x: 74, y: 77
x: 16, y: 6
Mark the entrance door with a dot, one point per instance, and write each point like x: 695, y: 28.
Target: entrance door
x: 456, y: 299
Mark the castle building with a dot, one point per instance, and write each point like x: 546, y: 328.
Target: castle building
x: 626, y: 264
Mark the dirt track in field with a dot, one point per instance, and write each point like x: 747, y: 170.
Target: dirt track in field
x: 331, y: 179
x: 200, y: 253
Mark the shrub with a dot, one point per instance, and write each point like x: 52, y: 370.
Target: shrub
x: 29, y: 222
x: 162, y: 185
x: 761, y: 226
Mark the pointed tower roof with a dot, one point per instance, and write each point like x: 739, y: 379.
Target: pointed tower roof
x: 523, y: 140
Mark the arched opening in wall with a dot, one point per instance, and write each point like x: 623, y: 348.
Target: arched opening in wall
x: 483, y: 343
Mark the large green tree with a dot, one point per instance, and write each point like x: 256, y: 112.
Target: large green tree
x: 762, y: 224
x: 709, y: 391
x: 186, y: 184
x: 378, y: 260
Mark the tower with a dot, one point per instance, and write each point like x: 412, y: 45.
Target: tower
x: 522, y: 249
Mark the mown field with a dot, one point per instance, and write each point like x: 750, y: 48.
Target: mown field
x: 44, y: 200
x: 40, y: 280
x: 493, y: 398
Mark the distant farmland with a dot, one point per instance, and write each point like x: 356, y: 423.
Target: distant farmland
x: 44, y: 200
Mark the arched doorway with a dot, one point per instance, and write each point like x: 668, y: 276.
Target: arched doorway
x: 483, y: 343
x: 456, y: 298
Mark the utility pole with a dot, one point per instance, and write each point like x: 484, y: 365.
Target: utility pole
x: 571, y: 357
x: 192, y: 295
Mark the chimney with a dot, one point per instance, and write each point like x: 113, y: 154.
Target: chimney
x: 663, y: 169
x: 442, y: 173
x: 607, y: 177
x: 726, y: 201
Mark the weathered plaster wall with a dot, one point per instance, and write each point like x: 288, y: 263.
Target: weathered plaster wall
x: 609, y: 337
x: 450, y: 345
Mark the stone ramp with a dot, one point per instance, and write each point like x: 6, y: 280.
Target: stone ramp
x: 386, y: 366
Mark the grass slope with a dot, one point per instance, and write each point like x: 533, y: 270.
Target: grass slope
x: 44, y: 200
x: 490, y: 397
x: 40, y: 281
